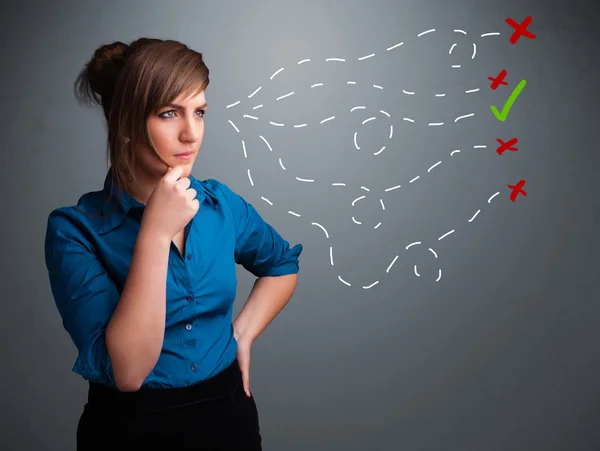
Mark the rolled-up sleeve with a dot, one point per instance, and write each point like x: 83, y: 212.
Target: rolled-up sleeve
x: 84, y: 294
x: 259, y: 248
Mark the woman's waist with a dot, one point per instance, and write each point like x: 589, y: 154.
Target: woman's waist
x: 150, y: 398
x: 183, y: 364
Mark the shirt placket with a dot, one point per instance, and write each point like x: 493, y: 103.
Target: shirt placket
x: 189, y: 260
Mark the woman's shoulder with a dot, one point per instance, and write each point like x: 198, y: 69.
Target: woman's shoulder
x: 218, y: 188
x: 76, y: 218
x: 211, y: 184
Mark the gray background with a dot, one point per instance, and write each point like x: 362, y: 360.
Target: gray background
x: 500, y: 354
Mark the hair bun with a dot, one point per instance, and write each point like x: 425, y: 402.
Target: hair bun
x: 105, y: 66
x: 110, y: 52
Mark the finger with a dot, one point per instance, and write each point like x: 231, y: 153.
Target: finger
x: 183, y: 183
x: 245, y: 367
x: 246, y: 380
x: 174, y: 173
x: 191, y: 193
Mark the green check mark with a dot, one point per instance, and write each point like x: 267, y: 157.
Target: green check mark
x: 501, y: 116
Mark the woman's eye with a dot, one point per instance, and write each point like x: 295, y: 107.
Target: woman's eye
x: 170, y: 113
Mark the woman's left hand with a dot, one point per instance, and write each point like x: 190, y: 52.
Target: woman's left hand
x: 243, y: 357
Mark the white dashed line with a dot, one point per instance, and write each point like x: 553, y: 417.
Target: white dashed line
x: 429, y: 170
x: 370, y: 286
x: 445, y: 235
x: 392, y: 264
x: 394, y: 46
x: 252, y: 95
x: 284, y: 96
x: 462, y: 117
x: 322, y: 228
x: 343, y: 281
x: 425, y: 32
x: 392, y: 188
x: 273, y: 76
x: 357, y: 199
x: 366, y: 57
x: 233, y: 125
x: 382, y: 148
x: 266, y: 142
x: 490, y: 199
x: 474, y: 216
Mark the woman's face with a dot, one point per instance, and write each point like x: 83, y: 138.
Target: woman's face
x: 176, y: 132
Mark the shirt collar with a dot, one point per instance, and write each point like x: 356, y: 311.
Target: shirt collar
x: 114, y: 212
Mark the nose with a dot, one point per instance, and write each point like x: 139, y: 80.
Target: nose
x: 191, y: 130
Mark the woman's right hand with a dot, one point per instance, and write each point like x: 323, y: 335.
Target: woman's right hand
x: 171, y: 205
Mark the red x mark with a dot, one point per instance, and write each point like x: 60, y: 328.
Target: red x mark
x: 520, y: 29
x: 498, y: 80
x: 516, y: 190
x: 506, y: 145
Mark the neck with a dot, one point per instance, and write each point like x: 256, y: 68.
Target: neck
x: 143, y: 189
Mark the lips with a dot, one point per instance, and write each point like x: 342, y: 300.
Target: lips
x: 185, y: 156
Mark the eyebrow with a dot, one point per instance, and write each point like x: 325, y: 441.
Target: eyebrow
x: 181, y: 107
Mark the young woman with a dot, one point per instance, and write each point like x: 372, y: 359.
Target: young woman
x: 143, y: 272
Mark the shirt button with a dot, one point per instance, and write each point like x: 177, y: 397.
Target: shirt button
x: 190, y: 298
x: 188, y: 326
x: 189, y: 256
x: 193, y: 367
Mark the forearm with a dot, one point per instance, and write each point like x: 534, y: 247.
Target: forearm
x: 135, y: 333
x: 267, y: 298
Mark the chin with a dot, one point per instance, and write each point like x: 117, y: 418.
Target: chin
x: 187, y: 168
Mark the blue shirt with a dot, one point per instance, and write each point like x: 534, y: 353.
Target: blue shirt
x: 88, y: 258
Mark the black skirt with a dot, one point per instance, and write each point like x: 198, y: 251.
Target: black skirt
x: 213, y: 415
